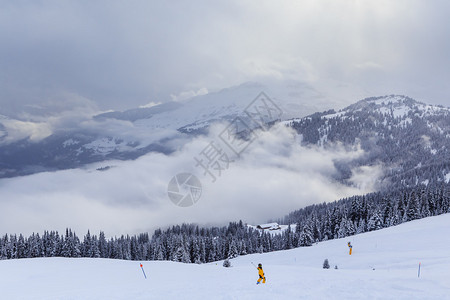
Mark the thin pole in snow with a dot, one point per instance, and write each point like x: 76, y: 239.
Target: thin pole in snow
x: 418, y: 272
x: 142, y: 268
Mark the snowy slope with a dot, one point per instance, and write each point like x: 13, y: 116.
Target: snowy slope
x: 384, y: 265
x: 293, y: 98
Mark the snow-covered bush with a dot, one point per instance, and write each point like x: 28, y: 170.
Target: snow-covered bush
x: 226, y: 263
x: 326, y: 265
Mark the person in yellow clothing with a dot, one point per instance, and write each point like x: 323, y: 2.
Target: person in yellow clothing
x: 350, y: 248
x: 261, y: 275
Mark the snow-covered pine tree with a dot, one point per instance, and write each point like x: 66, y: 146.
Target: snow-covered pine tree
x: 287, y: 236
x: 232, y: 251
x: 306, y: 237
x: 375, y: 222
x: 412, y: 209
x: 102, y: 245
x: 342, y: 232
x: 159, y: 253
x: 361, y: 226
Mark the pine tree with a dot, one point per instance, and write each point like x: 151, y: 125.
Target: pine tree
x: 288, y: 238
x: 361, y: 226
x: 306, y: 237
x: 375, y: 222
x: 87, y: 250
x: 243, y: 247
x: 159, y: 253
x: 95, y: 248
x: 342, y: 232
x: 232, y: 251
x: 212, y: 252
x: 350, y: 227
x: 21, y: 247
x: 102, y: 245
x: 412, y: 209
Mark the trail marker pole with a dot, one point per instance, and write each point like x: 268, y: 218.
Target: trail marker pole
x: 418, y: 272
x: 142, y: 268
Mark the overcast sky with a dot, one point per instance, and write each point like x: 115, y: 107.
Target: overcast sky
x: 123, y: 54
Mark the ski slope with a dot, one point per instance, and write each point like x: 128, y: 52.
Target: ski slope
x: 384, y: 265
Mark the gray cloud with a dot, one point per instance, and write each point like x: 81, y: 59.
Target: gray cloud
x: 274, y: 176
x: 122, y: 55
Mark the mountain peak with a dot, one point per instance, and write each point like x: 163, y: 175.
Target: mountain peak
x: 383, y: 101
x: 389, y: 99
x: 397, y: 105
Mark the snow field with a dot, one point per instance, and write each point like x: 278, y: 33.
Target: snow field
x: 384, y: 265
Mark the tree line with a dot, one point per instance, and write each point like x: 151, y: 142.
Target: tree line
x: 190, y: 243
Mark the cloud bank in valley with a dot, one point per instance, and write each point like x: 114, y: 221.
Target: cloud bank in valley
x: 274, y: 176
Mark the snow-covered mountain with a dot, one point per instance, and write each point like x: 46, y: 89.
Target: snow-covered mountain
x: 409, y: 139
x: 379, y: 125
x: 201, y: 111
x: 384, y: 265
x: 133, y: 133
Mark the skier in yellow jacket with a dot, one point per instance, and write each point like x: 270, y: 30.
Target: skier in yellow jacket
x: 350, y: 248
x: 261, y: 275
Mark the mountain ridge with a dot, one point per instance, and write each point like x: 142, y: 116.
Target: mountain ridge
x: 398, y: 132
x: 377, y: 117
